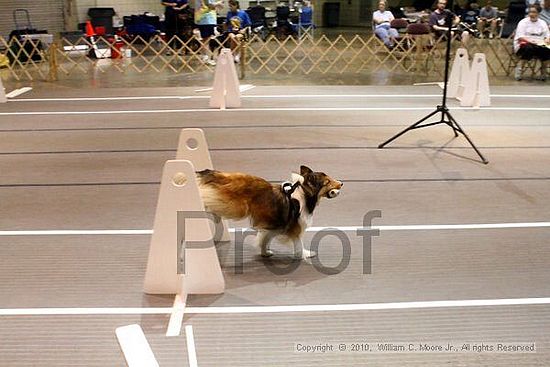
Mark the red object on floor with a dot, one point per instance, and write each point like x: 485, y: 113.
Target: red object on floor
x: 100, y: 31
x: 116, y: 52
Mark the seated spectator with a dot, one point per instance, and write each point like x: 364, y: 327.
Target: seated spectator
x: 438, y: 19
x: 545, y: 12
x: 382, y: 19
x: 237, y: 24
x: 488, y: 16
x: 532, y: 41
x: 470, y: 16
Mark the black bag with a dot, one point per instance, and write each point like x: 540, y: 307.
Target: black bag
x: 21, y: 48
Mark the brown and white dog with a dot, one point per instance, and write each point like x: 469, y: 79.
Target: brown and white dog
x: 274, y: 210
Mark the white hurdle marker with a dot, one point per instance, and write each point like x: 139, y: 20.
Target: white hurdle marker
x: 3, y: 98
x: 135, y: 347
x: 476, y: 92
x: 459, y: 73
x: 225, y: 91
x: 203, y: 275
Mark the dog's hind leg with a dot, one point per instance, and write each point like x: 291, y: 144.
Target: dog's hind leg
x: 263, y: 239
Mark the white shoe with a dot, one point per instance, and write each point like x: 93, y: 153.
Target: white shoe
x: 211, y: 62
x: 204, y: 58
x: 237, y: 59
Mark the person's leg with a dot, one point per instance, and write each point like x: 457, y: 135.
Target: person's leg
x: 525, y: 53
x: 481, y: 27
x: 382, y: 33
x: 207, y: 31
x: 544, y: 56
x: 494, y: 24
x: 170, y: 32
x: 393, y: 35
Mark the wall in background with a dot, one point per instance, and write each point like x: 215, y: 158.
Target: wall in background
x: 45, y: 14
x: 122, y: 7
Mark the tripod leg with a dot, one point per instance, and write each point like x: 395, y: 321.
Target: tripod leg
x: 459, y: 129
x: 413, y: 126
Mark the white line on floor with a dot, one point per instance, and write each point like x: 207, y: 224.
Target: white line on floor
x: 176, y: 318
x: 286, y: 96
x: 292, y: 109
x: 191, y: 350
x: 413, y: 227
x: 274, y: 309
x: 18, y: 92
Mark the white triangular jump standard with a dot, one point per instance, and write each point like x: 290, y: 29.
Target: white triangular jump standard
x: 225, y: 91
x: 476, y: 91
x: 459, y: 74
x: 202, y: 272
x: 3, y: 98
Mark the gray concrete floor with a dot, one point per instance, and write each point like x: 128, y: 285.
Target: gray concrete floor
x: 102, y: 171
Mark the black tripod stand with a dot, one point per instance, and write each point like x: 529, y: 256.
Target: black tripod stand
x: 446, y: 117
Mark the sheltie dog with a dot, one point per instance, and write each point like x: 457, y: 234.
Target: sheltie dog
x: 274, y: 210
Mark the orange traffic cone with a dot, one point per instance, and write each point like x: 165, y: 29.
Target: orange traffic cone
x: 89, y: 29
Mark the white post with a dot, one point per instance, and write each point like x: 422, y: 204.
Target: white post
x: 226, y: 90
x: 3, y: 98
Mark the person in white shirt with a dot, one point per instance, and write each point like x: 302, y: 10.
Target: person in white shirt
x: 382, y: 19
x: 532, y: 41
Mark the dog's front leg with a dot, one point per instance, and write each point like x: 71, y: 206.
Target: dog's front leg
x: 300, y: 252
x: 262, y: 241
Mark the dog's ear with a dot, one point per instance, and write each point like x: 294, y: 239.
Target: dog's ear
x: 296, y: 178
x: 304, y: 170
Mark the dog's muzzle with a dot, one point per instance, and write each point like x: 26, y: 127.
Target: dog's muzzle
x: 333, y: 193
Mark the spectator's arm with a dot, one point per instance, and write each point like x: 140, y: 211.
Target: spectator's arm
x: 456, y: 20
x: 165, y: 3
x: 181, y: 7
x: 247, y: 22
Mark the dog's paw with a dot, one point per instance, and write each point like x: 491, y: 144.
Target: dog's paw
x: 306, y: 254
x: 267, y: 253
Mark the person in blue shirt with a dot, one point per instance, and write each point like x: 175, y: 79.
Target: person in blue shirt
x: 237, y: 24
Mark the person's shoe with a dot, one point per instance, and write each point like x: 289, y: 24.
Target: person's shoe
x: 518, y: 73
x: 491, y: 36
x: 205, y: 58
x: 211, y: 62
x: 237, y: 59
